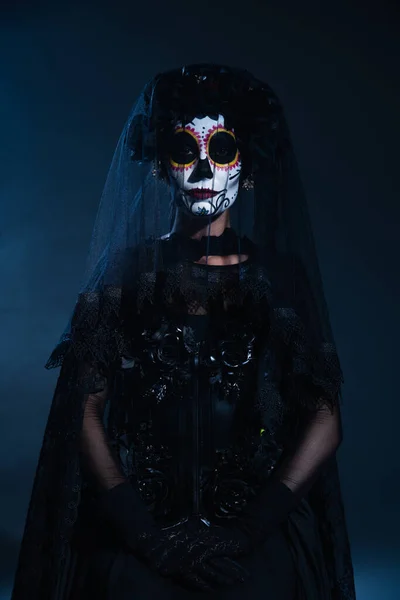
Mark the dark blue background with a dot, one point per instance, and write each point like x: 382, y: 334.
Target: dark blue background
x: 69, y: 73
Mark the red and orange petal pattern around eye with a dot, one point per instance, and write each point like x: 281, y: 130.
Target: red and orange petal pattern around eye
x: 221, y: 167
x: 191, y: 131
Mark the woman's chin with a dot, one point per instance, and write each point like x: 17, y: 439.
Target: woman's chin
x: 202, y: 208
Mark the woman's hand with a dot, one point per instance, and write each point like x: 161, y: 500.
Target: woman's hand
x: 193, y: 548
x: 213, y: 573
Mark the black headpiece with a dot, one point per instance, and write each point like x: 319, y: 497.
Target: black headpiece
x: 248, y: 105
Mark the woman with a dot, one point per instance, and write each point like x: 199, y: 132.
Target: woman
x: 191, y: 442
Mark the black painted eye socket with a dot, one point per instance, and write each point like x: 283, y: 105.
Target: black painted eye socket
x: 222, y: 148
x: 184, y: 148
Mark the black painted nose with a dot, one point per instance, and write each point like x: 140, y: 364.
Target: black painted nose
x: 202, y: 171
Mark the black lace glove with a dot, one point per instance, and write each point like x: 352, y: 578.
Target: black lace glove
x: 125, y: 512
x: 193, y: 547
x: 188, y: 547
x: 263, y: 515
x: 213, y: 573
x: 181, y: 551
x: 260, y: 518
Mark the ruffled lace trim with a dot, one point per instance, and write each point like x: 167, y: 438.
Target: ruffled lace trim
x: 95, y: 335
x: 313, y: 376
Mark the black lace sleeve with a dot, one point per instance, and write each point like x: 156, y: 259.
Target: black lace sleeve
x: 318, y: 438
x: 312, y: 373
x: 99, y: 462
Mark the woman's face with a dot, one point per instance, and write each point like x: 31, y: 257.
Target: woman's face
x: 205, y: 165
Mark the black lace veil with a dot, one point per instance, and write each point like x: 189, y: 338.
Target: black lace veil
x: 136, y: 212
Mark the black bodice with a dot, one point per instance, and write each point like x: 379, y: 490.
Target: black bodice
x: 191, y: 432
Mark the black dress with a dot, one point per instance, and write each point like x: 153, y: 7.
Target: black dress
x: 213, y: 393
x: 200, y: 422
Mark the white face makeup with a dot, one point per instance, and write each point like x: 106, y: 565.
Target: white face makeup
x: 205, y: 166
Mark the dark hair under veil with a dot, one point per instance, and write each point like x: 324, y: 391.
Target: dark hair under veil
x: 270, y: 218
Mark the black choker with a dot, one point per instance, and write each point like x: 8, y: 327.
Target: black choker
x: 179, y: 246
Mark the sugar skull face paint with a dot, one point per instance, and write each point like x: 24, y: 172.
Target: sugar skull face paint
x: 205, y: 165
